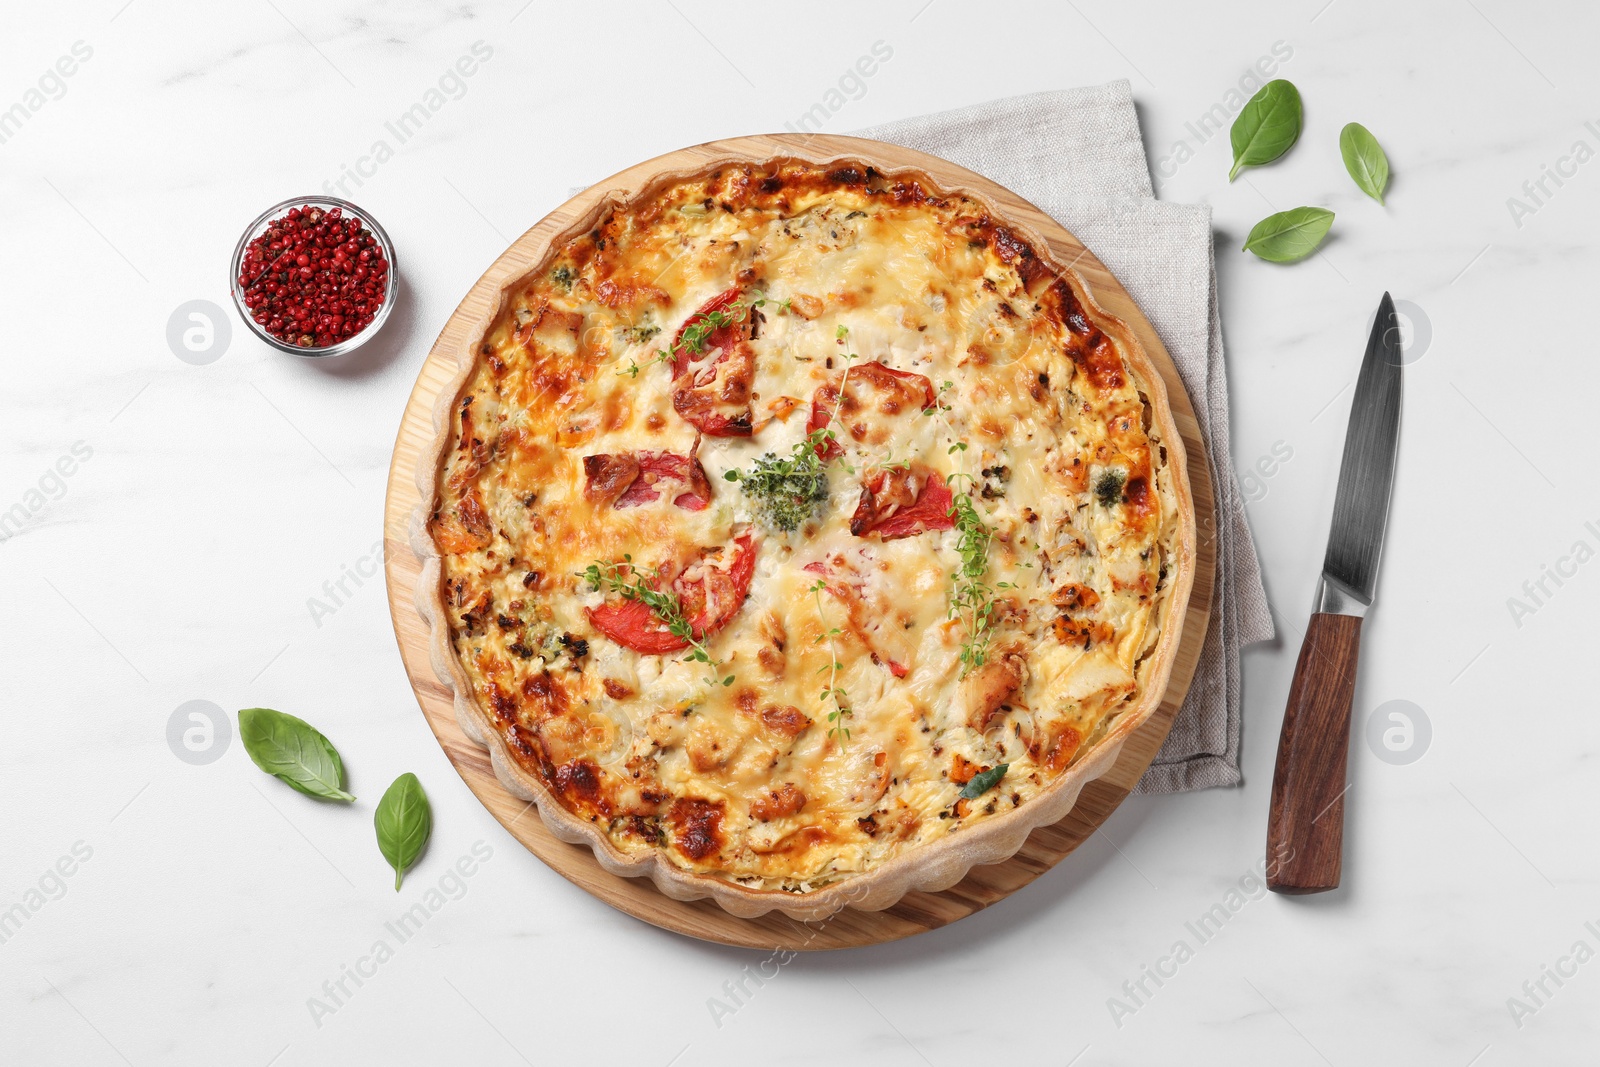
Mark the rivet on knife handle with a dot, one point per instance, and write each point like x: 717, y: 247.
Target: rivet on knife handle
x: 1305, y: 829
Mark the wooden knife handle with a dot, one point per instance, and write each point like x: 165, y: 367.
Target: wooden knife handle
x: 1305, y: 830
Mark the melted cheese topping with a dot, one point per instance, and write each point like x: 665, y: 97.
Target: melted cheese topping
x: 1039, y: 420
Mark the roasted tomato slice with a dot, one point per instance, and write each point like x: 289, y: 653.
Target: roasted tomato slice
x: 633, y: 625
x: 717, y: 325
x: 607, y: 475
x: 665, y: 465
x: 711, y: 590
x: 871, y: 389
x: 713, y: 587
x: 902, y: 502
x: 713, y: 366
x: 629, y: 479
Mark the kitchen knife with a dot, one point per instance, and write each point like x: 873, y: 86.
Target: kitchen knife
x: 1305, y: 829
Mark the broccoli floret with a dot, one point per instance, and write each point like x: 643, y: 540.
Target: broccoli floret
x: 785, y: 491
x: 1108, y: 487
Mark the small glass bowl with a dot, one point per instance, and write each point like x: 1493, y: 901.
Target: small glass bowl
x: 391, y: 279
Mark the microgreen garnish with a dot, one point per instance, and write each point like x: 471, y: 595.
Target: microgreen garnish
x: 983, y: 781
x: 842, y: 712
x: 624, y: 579
x: 787, y: 490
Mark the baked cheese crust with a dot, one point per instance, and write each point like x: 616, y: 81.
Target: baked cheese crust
x: 787, y: 505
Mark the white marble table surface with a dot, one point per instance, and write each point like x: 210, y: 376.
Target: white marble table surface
x: 208, y: 910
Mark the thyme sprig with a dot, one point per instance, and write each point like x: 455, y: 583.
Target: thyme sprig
x: 890, y: 463
x: 694, y: 336
x: 840, y: 335
x: 842, y: 713
x: 971, y: 595
x: 627, y: 581
x: 633, y: 368
x: 937, y: 410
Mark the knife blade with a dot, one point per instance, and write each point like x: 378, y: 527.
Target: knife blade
x: 1305, y: 827
x: 1366, y: 473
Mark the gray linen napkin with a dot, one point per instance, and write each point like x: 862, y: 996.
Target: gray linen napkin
x: 1077, y: 154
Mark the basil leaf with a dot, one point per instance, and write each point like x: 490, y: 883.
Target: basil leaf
x: 1364, y: 159
x: 1268, y: 126
x: 403, y: 820
x: 1289, y: 235
x: 293, y: 750
x: 983, y: 781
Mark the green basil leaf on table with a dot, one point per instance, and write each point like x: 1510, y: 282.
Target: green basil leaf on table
x: 1364, y: 159
x: 1268, y: 126
x: 403, y: 820
x: 983, y: 781
x: 293, y: 750
x: 1289, y: 235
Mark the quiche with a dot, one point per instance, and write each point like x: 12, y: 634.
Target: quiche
x: 804, y: 535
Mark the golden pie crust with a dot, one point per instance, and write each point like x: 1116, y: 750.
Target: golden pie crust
x: 849, y: 695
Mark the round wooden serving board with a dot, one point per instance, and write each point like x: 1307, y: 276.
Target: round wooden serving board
x: 917, y: 911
